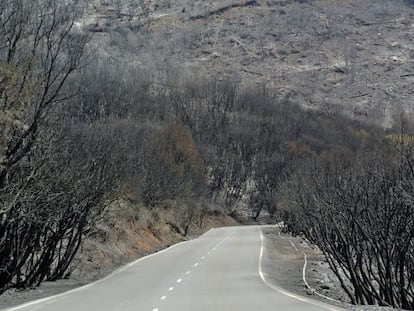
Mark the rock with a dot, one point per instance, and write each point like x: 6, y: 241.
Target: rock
x: 324, y: 286
x: 310, y: 292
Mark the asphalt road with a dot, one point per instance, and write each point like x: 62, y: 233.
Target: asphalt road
x: 221, y: 270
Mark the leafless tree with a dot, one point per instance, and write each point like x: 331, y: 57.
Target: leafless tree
x: 39, y: 50
x: 359, y: 211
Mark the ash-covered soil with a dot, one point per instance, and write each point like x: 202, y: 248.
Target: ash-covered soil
x: 283, y: 266
x: 353, y: 55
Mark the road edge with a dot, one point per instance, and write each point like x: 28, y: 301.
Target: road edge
x: 281, y: 290
x: 109, y: 276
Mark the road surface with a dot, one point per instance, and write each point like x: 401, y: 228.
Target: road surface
x: 221, y: 270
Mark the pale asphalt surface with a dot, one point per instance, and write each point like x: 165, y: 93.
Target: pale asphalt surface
x: 221, y: 270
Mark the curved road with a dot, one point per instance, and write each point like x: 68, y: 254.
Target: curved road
x: 221, y: 270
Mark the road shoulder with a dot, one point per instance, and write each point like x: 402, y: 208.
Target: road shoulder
x: 283, y: 263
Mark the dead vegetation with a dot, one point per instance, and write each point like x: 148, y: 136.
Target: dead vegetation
x: 142, y: 123
x: 353, y: 56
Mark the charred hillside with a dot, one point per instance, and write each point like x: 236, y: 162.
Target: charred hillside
x: 352, y: 56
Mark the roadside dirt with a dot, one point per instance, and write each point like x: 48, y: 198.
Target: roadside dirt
x: 283, y: 266
x: 121, y: 237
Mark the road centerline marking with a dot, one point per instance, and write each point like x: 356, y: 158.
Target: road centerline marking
x: 171, y: 288
x: 163, y: 297
x: 196, y: 264
x: 179, y: 280
x: 188, y: 272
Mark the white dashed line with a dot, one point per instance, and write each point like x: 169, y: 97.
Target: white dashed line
x: 155, y: 309
x: 163, y: 297
x: 188, y: 272
x: 82, y: 288
x: 214, y: 248
x: 204, y: 257
x: 208, y: 253
x: 171, y: 289
x: 196, y: 264
x: 179, y: 280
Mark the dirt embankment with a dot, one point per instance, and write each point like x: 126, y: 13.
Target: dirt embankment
x: 126, y: 233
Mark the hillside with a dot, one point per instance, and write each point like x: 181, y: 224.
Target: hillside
x: 352, y: 55
x: 126, y: 126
